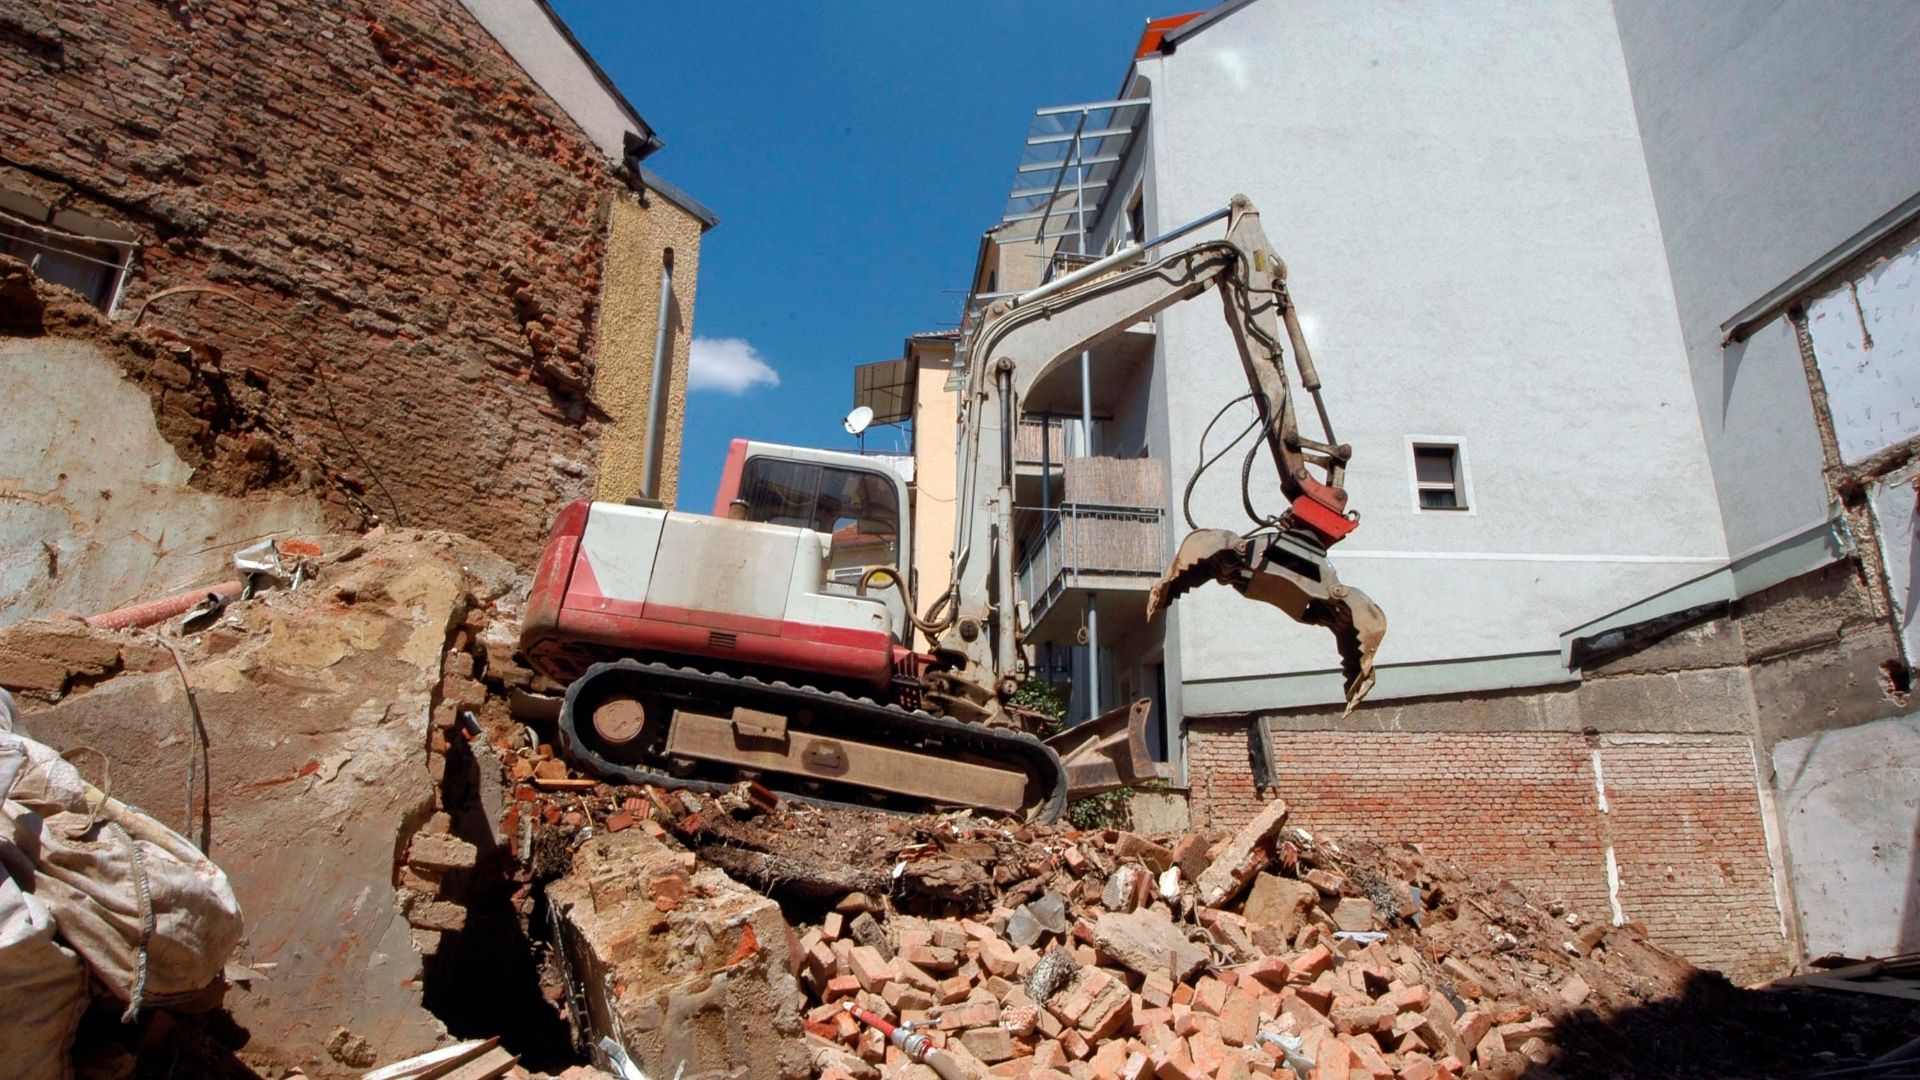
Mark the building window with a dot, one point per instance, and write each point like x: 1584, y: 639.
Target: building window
x: 67, y: 248
x: 1439, y: 481
x: 1137, y: 216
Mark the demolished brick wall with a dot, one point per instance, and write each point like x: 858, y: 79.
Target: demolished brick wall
x: 1683, y: 817
x: 319, y: 714
x: 410, y: 233
x: 1683, y: 719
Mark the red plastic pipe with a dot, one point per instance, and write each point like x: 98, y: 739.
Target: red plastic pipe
x: 135, y: 616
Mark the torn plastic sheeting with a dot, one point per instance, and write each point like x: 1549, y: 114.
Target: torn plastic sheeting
x: 1289, y: 1047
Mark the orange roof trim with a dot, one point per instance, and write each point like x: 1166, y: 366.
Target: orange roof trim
x: 1157, y: 29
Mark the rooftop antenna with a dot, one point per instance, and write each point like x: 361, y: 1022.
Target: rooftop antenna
x: 856, y: 424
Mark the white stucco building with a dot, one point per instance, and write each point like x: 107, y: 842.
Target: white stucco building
x: 1617, y: 304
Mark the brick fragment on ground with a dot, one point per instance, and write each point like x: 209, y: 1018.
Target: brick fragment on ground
x: 1236, y: 865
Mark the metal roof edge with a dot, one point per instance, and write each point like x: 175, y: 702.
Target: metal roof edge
x: 599, y: 74
x: 1171, y: 39
x: 659, y: 186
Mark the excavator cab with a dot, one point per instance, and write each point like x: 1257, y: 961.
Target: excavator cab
x: 858, y: 501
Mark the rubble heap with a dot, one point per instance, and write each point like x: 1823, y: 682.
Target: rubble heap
x: 364, y: 756
x: 1043, y: 951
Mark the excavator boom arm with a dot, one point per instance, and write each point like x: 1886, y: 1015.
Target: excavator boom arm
x: 1022, y: 339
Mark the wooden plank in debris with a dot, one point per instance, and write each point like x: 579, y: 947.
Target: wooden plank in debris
x: 493, y: 1064
x: 1906, y: 989
x: 434, y: 1063
x: 565, y: 783
x: 1903, y: 964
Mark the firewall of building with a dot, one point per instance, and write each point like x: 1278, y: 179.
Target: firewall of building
x: 406, y: 252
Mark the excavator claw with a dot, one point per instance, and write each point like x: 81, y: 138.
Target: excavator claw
x: 1290, y: 571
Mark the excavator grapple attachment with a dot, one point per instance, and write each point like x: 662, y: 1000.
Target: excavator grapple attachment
x: 1290, y: 571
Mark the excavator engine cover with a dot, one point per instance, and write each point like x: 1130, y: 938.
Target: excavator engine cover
x: 1289, y: 570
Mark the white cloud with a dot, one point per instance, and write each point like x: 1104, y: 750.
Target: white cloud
x: 729, y: 365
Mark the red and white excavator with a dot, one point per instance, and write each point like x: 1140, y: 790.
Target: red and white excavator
x: 770, y: 639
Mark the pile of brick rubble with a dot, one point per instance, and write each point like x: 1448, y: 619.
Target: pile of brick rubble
x: 1046, y: 951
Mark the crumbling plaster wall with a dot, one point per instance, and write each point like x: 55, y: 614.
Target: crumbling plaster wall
x: 407, y: 235
x: 638, y: 238
x: 96, y: 508
x: 132, y: 464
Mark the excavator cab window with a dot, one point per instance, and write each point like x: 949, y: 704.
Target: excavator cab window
x: 858, y: 508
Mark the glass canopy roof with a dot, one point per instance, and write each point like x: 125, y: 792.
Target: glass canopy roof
x: 1068, y: 163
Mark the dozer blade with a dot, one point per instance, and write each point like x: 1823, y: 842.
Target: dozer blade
x: 1290, y: 571
x: 1109, y: 752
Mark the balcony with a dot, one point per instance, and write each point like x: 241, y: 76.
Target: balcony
x: 1108, y: 538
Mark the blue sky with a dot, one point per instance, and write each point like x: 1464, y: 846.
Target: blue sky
x: 854, y: 153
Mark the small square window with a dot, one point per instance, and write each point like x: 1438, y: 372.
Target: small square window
x: 1437, y: 477
x: 66, y: 248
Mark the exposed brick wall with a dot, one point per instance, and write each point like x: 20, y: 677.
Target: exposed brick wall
x: 1683, y: 816
x: 412, y: 230
x: 1690, y: 848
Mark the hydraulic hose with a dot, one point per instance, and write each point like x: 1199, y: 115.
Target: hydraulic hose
x: 915, y: 1046
x: 939, y: 616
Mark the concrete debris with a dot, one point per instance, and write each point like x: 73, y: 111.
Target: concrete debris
x: 691, y: 969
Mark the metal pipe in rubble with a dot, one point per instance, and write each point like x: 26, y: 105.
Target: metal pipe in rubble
x: 135, y: 616
x: 917, y: 1047
x: 657, y: 394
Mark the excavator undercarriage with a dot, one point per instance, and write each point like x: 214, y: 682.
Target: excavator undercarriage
x: 679, y: 727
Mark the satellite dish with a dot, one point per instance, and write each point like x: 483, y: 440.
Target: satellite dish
x: 857, y: 420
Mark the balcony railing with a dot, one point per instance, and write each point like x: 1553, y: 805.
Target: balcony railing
x: 1091, y: 545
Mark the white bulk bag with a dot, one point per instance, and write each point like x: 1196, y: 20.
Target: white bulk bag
x: 152, y: 917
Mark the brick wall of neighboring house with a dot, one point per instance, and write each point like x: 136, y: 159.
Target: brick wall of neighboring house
x: 1683, y: 817
x: 409, y: 235
x: 1686, y: 830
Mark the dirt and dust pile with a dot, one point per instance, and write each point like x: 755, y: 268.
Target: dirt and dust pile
x: 295, y: 742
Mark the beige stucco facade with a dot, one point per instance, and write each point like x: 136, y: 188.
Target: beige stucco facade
x: 936, y: 420
x: 639, y: 236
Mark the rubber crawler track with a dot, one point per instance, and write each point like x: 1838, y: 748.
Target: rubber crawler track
x: 833, y: 712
